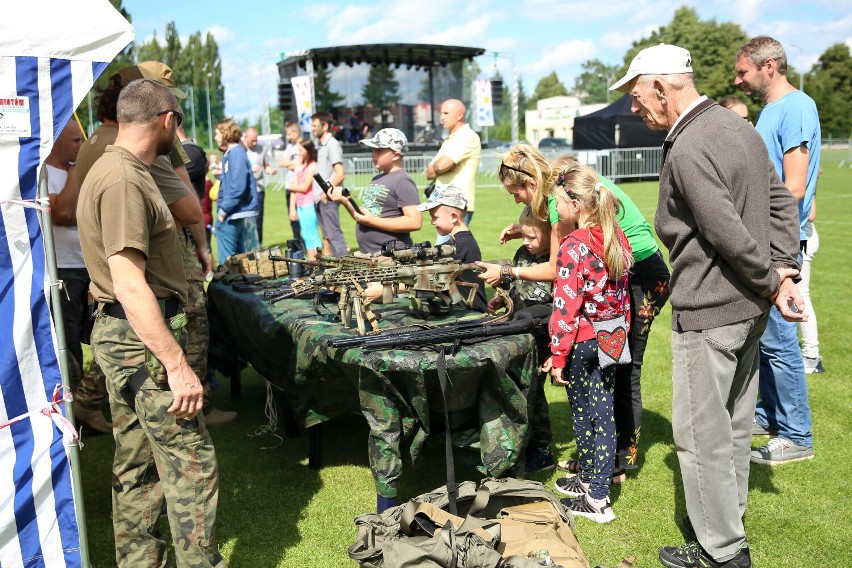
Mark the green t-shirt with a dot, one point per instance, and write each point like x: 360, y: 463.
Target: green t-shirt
x: 632, y: 222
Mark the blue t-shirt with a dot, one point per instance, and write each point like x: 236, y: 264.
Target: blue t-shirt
x: 788, y: 123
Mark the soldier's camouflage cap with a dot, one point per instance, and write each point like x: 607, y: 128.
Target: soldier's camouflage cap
x: 445, y: 195
x: 392, y: 138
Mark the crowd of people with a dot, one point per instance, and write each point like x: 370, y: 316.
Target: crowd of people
x: 736, y: 211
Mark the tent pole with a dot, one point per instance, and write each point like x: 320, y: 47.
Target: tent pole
x: 56, y: 305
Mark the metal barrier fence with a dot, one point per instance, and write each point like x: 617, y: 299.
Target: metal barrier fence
x: 616, y: 164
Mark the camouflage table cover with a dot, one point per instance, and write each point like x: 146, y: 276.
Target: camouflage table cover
x: 396, y: 390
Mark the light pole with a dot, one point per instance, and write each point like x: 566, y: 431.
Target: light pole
x: 608, y: 78
x: 209, y: 121
x: 192, y: 110
x: 801, y: 70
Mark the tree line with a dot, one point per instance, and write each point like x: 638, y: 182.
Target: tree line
x: 713, y: 45
x: 197, y: 68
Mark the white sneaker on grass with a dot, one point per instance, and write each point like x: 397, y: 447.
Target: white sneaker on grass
x: 779, y: 451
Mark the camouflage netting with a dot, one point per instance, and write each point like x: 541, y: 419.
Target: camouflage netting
x: 397, y: 391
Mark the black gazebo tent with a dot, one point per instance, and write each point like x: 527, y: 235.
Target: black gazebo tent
x: 597, y: 131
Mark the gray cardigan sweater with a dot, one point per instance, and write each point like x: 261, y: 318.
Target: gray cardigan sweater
x: 726, y: 218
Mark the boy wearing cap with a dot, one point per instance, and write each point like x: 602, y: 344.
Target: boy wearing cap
x: 389, y: 203
x: 447, y: 206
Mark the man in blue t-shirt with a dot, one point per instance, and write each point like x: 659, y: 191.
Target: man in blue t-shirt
x: 789, y: 125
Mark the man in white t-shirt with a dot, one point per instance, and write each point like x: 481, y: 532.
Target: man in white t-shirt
x: 62, y: 185
x: 457, y: 162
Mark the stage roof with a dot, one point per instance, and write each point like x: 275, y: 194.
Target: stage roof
x: 409, y: 54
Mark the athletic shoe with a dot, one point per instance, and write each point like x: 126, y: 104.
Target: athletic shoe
x: 580, y: 506
x: 814, y: 365
x: 570, y: 486
x: 540, y: 460
x: 757, y: 429
x: 780, y: 450
x: 691, y: 555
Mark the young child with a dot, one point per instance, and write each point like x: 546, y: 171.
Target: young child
x: 591, y: 284
x: 448, y: 205
x: 535, y: 233
x: 389, y: 203
x: 302, y: 199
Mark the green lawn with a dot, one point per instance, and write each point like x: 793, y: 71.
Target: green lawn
x: 275, y: 511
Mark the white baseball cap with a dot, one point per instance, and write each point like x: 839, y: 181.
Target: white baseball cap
x: 662, y: 59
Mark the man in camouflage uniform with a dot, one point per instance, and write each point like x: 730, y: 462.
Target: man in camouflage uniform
x: 172, y: 179
x: 130, y: 245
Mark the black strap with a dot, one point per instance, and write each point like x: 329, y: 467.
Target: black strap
x: 452, y: 488
x: 170, y: 307
x: 134, y: 385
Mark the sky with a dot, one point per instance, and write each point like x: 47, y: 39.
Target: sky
x: 533, y: 37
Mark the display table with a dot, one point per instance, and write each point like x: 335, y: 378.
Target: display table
x: 396, y: 390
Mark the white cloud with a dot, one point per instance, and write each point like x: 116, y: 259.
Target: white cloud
x: 222, y: 34
x: 559, y: 57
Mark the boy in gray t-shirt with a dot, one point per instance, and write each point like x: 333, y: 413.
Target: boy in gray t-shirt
x: 389, y: 203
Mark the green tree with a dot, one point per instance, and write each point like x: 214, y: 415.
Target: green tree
x: 381, y: 88
x: 326, y: 99
x: 592, y: 85
x: 150, y: 51
x: 830, y: 85
x: 713, y: 47
x: 548, y: 86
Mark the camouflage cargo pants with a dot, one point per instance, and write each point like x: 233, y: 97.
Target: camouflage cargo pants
x: 157, y: 458
x: 197, y: 327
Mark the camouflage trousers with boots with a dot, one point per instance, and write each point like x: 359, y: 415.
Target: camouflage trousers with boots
x: 157, y: 459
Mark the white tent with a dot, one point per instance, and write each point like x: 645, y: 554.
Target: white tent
x: 51, y: 52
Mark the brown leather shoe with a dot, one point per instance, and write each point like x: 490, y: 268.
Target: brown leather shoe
x: 94, y: 419
x: 218, y: 416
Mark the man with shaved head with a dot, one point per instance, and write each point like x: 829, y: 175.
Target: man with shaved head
x: 457, y: 162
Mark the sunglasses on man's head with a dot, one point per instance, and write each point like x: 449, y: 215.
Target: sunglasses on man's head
x: 504, y: 167
x: 178, y: 115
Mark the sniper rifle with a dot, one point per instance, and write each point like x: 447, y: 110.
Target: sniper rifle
x: 525, y: 321
x: 430, y: 278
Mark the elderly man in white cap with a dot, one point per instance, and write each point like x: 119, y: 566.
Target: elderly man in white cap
x: 729, y: 225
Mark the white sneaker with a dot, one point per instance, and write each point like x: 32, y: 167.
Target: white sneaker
x: 813, y: 365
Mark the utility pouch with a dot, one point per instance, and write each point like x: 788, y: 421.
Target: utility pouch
x: 156, y: 370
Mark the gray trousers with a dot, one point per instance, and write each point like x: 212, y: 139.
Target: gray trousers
x: 714, y: 392
x: 329, y: 218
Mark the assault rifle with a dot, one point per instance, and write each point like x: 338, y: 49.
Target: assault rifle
x: 325, y: 187
x: 525, y: 321
x: 429, y: 275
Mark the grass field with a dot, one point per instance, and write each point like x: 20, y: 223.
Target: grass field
x: 276, y: 512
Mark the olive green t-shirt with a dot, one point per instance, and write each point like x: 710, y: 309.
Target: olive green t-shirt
x: 120, y: 207
x: 162, y: 170
x: 632, y: 222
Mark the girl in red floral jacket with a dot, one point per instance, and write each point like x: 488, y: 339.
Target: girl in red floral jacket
x: 591, y: 284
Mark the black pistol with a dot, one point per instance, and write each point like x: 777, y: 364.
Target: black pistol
x: 325, y: 188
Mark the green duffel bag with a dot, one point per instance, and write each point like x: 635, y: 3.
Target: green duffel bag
x: 423, y: 534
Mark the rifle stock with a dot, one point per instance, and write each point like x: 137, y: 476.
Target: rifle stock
x: 395, y: 338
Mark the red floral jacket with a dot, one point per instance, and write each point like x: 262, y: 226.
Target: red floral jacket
x: 583, y: 288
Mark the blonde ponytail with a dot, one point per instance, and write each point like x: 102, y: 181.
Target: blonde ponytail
x: 601, y: 207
